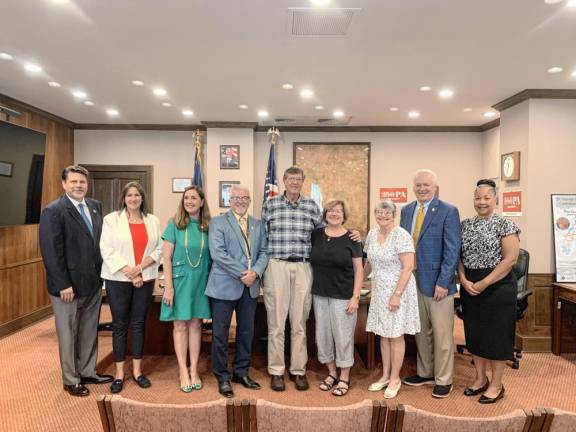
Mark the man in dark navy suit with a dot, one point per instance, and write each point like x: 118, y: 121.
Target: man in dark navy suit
x: 435, y: 228
x: 70, y: 230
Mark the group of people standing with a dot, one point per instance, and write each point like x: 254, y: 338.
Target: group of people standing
x: 301, y: 257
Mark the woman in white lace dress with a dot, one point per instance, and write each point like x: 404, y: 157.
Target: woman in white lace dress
x: 394, y: 304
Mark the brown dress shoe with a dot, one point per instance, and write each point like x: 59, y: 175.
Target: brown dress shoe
x: 277, y: 383
x: 300, y: 382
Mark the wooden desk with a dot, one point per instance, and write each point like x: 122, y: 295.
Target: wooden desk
x: 563, y: 293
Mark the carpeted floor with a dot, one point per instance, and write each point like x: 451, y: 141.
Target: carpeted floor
x: 32, y: 399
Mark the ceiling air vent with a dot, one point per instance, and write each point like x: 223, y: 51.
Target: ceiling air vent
x: 305, y: 121
x: 311, y: 22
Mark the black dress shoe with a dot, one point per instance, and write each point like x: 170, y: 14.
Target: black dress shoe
x: 117, y: 386
x: 247, y: 382
x: 300, y: 382
x: 488, y: 400
x: 76, y: 390
x: 142, y: 381
x: 277, y: 382
x: 97, y: 379
x: 469, y: 391
x: 225, y: 389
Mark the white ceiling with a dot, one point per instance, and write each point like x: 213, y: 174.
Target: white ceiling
x: 212, y: 55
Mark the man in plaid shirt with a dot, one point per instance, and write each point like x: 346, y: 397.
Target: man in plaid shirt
x: 289, y: 220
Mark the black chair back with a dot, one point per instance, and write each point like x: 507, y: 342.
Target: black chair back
x: 520, y: 269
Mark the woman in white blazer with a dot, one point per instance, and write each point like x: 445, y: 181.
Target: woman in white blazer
x: 131, y: 247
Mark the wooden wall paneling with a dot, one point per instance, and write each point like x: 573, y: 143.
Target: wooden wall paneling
x: 23, y: 295
x: 534, y: 331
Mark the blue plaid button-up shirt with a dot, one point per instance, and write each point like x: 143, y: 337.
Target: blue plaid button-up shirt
x: 290, y: 225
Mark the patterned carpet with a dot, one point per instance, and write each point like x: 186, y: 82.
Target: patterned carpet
x: 32, y: 398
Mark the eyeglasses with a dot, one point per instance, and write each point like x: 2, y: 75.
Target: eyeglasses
x: 243, y: 199
x: 383, y: 212
x: 294, y: 179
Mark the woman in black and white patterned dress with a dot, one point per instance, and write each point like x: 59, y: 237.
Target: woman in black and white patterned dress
x: 490, y: 247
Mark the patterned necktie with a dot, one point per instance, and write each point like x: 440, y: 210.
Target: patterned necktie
x: 243, y: 225
x: 85, y: 218
x: 418, y: 224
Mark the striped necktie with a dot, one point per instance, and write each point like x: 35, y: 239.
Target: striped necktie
x: 418, y: 224
x: 85, y: 218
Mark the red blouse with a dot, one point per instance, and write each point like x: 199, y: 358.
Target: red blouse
x: 139, y: 241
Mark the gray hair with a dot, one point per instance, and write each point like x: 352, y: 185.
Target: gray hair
x: 239, y: 187
x: 386, y: 205
x: 487, y: 183
x: 428, y: 172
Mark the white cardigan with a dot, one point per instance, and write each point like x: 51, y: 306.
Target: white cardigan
x: 118, y: 251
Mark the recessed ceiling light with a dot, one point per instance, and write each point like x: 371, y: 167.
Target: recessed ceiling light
x: 112, y: 112
x: 338, y: 114
x: 243, y: 106
x: 160, y: 91
x: 5, y: 56
x: 553, y: 1
x: 54, y: 84
x: 187, y: 113
x: 446, y: 93
x: 555, y: 69
x: 425, y: 88
x: 262, y: 114
x: 573, y: 74
x: 489, y: 114
x: 138, y: 83
x: 320, y: 2
x: 413, y: 114
x: 33, y: 68
x: 319, y: 107
x: 79, y: 94
x: 88, y: 103
x: 571, y: 4
x: 166, y: 104
x: 394, y: 109
x: 61, y: 2
x: 287, y: 86
x: 467, y: 109
x: 307, y: 93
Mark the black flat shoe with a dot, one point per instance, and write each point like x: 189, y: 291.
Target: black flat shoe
x: 76, y: 390
x: 97, y: 379
x: 277, y: 382
x: 225, y: 389
x: 142, y: 381
x: 488, y: 400
x: 469, y: 391
x: 247, y: 382
x: 117, y: 386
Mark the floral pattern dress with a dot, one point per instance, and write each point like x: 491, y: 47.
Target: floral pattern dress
x: 386, y: 269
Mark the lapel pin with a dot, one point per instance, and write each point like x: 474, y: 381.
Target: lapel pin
x: 433, y: 209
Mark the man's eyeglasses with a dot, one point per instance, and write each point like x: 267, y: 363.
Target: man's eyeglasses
x: 294, y: 179
x: 243, y: 199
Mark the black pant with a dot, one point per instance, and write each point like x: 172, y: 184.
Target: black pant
x: 129, y: 306
x: 245, y: 308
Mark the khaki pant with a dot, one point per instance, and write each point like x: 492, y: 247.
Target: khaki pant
x: 287, y: 293
x: 435, y: 341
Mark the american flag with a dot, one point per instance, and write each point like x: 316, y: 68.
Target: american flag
x: 197, y: 160
x: 271, y: 182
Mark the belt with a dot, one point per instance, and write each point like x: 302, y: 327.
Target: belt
x: 295, y: 259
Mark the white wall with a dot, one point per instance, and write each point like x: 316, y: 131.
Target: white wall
x: 457, y: 158
x: 170, y: 153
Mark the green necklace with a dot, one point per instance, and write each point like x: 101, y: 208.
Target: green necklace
x: 186, y: 248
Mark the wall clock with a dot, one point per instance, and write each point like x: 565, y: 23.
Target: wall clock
x: 510, y: 166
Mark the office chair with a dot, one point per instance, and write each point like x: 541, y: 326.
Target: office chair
x: 520, y: 269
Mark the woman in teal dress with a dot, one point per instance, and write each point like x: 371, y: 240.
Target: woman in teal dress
x: 186, y: 268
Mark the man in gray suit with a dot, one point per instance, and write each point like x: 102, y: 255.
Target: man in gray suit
x: 70, y: 229
x: 238, y: 249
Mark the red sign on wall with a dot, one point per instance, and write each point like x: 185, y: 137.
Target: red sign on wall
x: 397, y: 195
x: 512, y: 203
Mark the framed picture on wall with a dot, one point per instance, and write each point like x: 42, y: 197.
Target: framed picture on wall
x: 564, y: 229
x: 229, y: 157
x: 180, y: 183
x: 224, y: 192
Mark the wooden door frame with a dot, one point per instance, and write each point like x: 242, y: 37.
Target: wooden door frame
x: 148, y: 169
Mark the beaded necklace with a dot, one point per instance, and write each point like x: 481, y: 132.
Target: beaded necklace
x: 186, y: 248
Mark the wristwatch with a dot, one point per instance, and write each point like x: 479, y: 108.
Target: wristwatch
x: 357, y: 297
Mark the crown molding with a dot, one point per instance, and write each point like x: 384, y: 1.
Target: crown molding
x: 148, y: 127
x: 372, y: 128
x: 19, y: 105
x: 534, y: 94
x: 230, y: 124
x: 490, y: 125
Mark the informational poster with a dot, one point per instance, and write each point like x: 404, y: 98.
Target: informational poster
x: 564, y: 220
x: 512, y: 203
x: 397, y: 195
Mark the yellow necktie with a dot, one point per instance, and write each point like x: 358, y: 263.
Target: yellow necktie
x: 418, y: 224
x: 243, y: 225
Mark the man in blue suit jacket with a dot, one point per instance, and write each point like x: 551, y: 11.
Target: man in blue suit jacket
x: 437, y: 242
x: 238, y: 247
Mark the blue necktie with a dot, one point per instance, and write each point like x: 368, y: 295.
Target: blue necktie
x: 86, y: 219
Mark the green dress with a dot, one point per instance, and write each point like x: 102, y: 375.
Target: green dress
x: 189, y: 282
